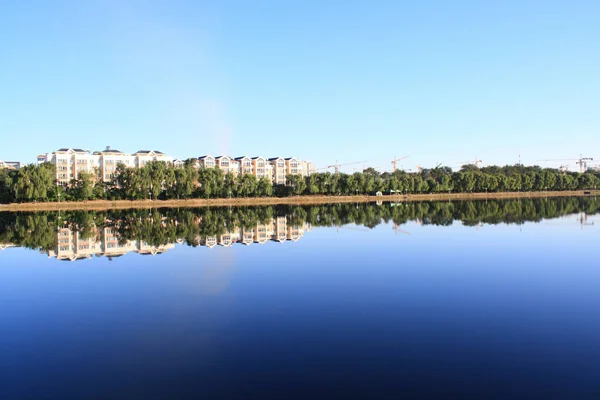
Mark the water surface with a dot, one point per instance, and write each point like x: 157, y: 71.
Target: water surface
x: 496, y: 299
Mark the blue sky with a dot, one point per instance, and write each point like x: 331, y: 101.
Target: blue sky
x: 437, y: 80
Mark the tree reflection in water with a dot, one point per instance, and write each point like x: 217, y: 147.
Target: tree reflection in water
x: 81, y: 234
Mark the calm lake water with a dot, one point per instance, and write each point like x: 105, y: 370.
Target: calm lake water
x: 494, y: 300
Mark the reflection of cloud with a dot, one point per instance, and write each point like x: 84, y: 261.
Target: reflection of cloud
x: 210, y: 276
x: 215, y: 278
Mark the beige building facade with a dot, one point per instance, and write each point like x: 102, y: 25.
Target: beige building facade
x: 71, y: 162
x: 275, y: 169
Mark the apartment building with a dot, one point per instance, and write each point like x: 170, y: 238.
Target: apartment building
x: 207, y: 161
x: 143, y: 157
x: 260, y: 168
x: 10, y: 165
x: 306, y: 168
x: 71, y: 162
x: 245, y: 164
x: 227, y: 164
x: 275, y: 169
x: 278, y: 172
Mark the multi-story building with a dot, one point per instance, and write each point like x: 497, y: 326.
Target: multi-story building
x: 207, y: 161
x: 224, y: 164
x: 278, y: 170
x: 260, y: 168
x: 143, y: 157
x: 10, y: 165
x: 71, y: 162
x: 306, y: 168
x: 245, y: 165
x: 109, y: 159
x: 275, y: 169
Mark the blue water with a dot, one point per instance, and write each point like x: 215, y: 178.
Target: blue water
x: 489, y: 311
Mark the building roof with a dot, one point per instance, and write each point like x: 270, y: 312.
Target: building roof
x: 254, y: 158
x: 10, y: 164
x: 64, y: 149
x: 291, y: 158
x: 109, y: 151
x: 275, y: 158
x: 206, y: 156
x: 218, y: 157
x: 149, y: 152
x: 242, y: 157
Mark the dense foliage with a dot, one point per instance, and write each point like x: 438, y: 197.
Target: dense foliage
x: 158, y: 180
x: 162, y: 226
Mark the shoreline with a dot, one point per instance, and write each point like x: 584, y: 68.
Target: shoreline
x: 264, y: 201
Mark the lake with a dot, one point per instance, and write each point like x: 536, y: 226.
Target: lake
x: 463, y: 299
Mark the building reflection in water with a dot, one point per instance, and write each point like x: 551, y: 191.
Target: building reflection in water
x: 77, y: 235
x: 106, y: 242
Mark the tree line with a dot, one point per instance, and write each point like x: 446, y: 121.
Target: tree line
x: 162, y: 226
x: 158, y: 180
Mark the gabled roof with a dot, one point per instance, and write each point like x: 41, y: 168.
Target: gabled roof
x: 240, y: 158
x: 291, y: 158
x: 64, y: 149
x: 203, y: 157
x: 149, y: 152
x: 275, y: 158
x: 254, y: 158
x: 219, y: 157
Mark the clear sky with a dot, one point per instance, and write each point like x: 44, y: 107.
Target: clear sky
x: 441, y: 81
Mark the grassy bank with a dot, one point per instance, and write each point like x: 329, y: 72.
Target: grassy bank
x: 304, y: 200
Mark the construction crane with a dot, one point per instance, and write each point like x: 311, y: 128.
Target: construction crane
x: 397, y: 229
x: 475, y: 163
x: 581, y: 161
x: 338, y: 165
x: 351, y: 228
x: 394, y: 163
